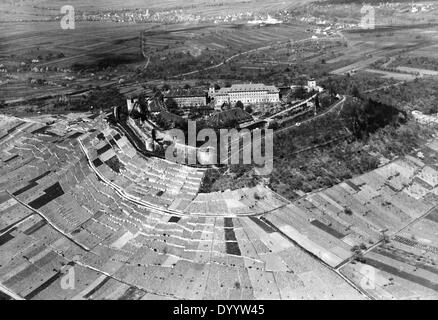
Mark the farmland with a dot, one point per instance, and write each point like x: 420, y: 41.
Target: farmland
x: 384, y: 219
x: 405, y: 263
x: 208, y: 47
x: 96, y: 54
x: 54, y: 52
x: 328, y: 150
x: 155, y: 238
x: 352, y: 197
x: 101, y: 52
x: 386, y: 13
x: 377, y: 49
x: 369, y: 54
x: 137, y: 227
x: 48, y: 9
x: 212, y: 37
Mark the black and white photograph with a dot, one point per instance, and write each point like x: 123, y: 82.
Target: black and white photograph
x: 229, y: 152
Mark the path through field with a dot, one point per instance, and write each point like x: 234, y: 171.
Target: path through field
x: 246, y: 52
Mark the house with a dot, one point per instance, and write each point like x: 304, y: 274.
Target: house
x: 312, y: 86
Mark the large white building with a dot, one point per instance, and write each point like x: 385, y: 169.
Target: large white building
x: 187, y: 98
x: 246, y: 93
x: 311, y: 86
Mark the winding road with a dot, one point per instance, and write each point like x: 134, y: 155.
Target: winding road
x: 333, y: 107
x: 250, y: 51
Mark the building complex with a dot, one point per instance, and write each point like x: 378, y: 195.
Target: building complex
x: 187, y: 98
x: 246, y: 93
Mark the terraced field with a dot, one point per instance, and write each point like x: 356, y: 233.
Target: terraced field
x: 61, y: 214
x: 76, y: 196
x: 384, y: 220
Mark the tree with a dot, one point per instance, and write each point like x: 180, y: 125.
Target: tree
x: 432, y: 109
x: 384, y: 237
x: 144, y: 108
x: 239, y: 104
x: 300, y: 93
x: 249, y: 109
x: 331, y: 85
x: 163, y: 123
x: 99, y: 97
x: 365, y: 117
x: 158, y: 95
x: 171, y: 104
x: 274, y: 125
x: 317, y: 102
x: 354, y: 91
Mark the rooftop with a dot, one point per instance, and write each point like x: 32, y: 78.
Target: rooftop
x: 185, y: 93
x: 245, y: 87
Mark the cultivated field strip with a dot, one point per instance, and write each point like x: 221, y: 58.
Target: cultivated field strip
x: 385, y: 219
x: 58, y: 215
